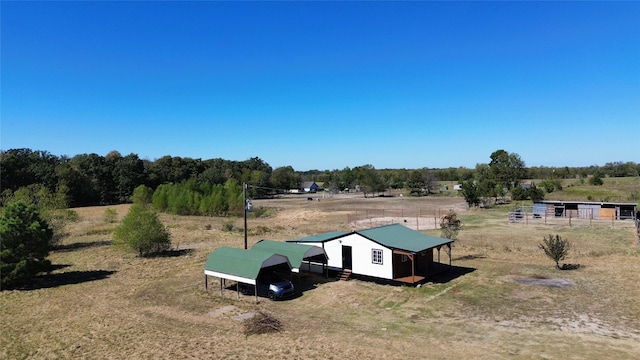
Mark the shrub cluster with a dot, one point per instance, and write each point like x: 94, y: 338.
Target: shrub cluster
x: 189, y: 198
x: 142, y: 231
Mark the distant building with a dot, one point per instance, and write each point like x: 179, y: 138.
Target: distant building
x: 310, y: 186
x: 585, y: 209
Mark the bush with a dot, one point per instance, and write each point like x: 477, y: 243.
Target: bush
x: 110, y: 215
x: 555, y: 248
x: 142, y: 195
x: 596, y: 179
x: 227, y: 226
x: 518, y: 193
x: 142, y: 231
x: 26, y: 241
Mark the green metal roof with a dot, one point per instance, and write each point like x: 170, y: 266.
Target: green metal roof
x: 398, y: 236
x: 295, y: 252
x: 241, y: 262
x: 321, y: 237
x: 394, y: 236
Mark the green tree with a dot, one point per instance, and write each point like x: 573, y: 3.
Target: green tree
x: 285, y: 178
x: 96, y: 169
x: 470, y: 191
x: 51, y: 207
x: 369, y: 179
x: 555, y: 248
x: 535, y: 193
x: 596, y: 179
x: 519, y: 193
x: 25, y: 244
x: 416, y: 181
x: 127, y: 172
x: 430, y: 181
x: 142, y: 195
x: 507, y: 169
x: 142, y: 231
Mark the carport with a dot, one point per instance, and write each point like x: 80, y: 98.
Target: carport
x: 241, y: 265
x: 296, y: 253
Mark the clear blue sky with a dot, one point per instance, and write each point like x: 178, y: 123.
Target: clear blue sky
x: 325, y: 85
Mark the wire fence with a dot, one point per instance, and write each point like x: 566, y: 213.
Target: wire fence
x: 417, y: 219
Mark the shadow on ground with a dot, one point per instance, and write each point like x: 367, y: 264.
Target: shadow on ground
x: 66, y: 278
x: 454, y: 272
x: 174, y: 253
x: 81, y: 245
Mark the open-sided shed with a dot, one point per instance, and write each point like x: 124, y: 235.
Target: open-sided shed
x: 297, y: 253
x: 242, y: 265
x: 391, y: 252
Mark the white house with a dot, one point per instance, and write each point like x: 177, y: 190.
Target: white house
x: 391, y: 252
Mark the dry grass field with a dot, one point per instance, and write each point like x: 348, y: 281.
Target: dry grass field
x: 503, y: 299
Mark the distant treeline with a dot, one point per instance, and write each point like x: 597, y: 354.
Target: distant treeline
x: 91, y: 179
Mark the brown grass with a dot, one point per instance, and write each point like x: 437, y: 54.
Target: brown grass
x: 106, y: 304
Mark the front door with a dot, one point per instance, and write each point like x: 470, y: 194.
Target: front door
x: 346, y: 257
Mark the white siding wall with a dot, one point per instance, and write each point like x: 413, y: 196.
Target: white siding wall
x: 361, y: 256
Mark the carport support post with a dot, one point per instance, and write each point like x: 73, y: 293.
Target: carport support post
x: 256, y: 291
x: 220, y: 286
x: 206, y: 282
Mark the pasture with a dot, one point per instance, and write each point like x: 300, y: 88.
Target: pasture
x: 503, y: 299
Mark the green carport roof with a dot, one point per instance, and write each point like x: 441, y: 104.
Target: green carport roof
x: 296, y: 253
x: 242, y: 263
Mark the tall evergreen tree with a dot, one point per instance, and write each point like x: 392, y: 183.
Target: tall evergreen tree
x: 25, y: 244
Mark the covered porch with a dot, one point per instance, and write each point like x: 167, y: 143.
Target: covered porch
x: 415, y: 267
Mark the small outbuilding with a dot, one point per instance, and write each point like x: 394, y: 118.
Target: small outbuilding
x: 310, y: 186
x: 585, y: 209
x: 391, y: 252
x: 242, y: 265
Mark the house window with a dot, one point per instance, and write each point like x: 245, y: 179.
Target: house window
x: 376, y: 256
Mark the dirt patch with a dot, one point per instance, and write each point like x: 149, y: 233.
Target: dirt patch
x: 550, y: 283
x: 419, y: 223
x: 223, y: 310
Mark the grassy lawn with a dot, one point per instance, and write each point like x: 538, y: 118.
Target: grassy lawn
x: 102, y: 303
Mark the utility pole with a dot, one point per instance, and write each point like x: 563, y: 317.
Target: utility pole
x: 244, y: 204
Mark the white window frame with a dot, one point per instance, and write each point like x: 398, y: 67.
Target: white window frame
x: 376, y: 256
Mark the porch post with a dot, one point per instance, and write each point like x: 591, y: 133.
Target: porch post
x: 206, y: 285
x: 413, y: 269
x: 220, y: 286
x: 439, y: 253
